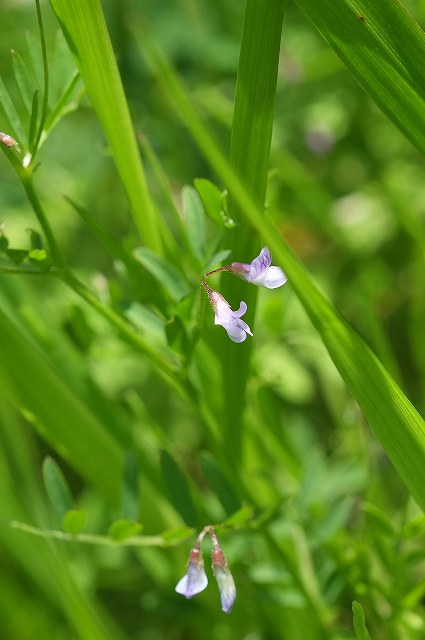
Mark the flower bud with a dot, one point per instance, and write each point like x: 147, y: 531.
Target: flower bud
x: 225, y: 582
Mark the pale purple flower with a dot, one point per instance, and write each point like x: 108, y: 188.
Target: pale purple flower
x: 195, y: 579
x: 236, y: 328
x: 260, y: 271
x: 225, y: 582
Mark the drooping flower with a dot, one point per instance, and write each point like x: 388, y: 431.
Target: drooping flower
x: 236, y: 328
x: 261, y: 271
x: 225, y: 582
x: 195, y: 579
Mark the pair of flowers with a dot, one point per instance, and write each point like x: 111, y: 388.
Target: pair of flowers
x: 195, y: 580
x: 260, y: 272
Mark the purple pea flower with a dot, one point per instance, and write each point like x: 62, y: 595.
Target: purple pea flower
x: 195, y: 579
x: 260, y: 271
x: 236, y: 328
x: 225, y: 582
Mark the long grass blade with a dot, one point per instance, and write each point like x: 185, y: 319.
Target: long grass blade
x: 84, y: 26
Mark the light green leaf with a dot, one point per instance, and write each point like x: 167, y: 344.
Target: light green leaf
x: 195, y: 222
x: 11, y: 113
x: 123, y: 529
x: 74, y: 521
x: 359, y: 622
x: 24, y: 80
x: 211, y: 197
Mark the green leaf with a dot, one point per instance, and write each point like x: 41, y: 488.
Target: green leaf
x: 240, y: 517
x: 211, y: 197
x: 36, y: 239
x: 177, y: 534
x: 164, y: 272
x: 74, y: 521
x: 195, y: 222
x: 35, y: 386
x: 359, y: 622
x: 177, y: 337
x: 32, y: 137
x: 11, y: 113
x: 383, y: 47
x: 219, y: 483
x: 123, y: 529
x: 130, y: 488
x: 178, y: 488
x: 24, y: 81
x: 38, y: 255
x: 85, y: 29
x: 17, y: 255
x: 57, y: 487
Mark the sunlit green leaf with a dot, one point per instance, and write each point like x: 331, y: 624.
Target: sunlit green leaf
x: 74, y: 521
x: 123, y: 529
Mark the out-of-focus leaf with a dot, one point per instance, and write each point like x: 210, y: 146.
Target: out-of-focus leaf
x: 24, y: 80
x: 178, y: 488
x: 123, y: 529
x: 57, y: 487
x: 74, y: 521
x: 17, y: 255
x: 359, y: 622
x: 11, y: 113
x: 219, y: 483
x: 377, y: 519
x: 130, y: 488
x: 240, y: 517
x: 176, y: 335
x: 165, y: 273
x: 195, y: 222
x: 178, y: 534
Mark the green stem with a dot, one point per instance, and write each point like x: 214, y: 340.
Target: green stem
x: 57, y: 256
x: 249, y: 157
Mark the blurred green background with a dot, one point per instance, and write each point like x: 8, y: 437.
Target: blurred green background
x: 329, y: 520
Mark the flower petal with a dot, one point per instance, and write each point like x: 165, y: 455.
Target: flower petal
x: 193, y: 582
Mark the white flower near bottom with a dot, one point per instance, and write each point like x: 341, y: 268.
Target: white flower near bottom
x: 225, y: 582
x: 260, y: 272
x: 195, y: 579
x: 236, y: 328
